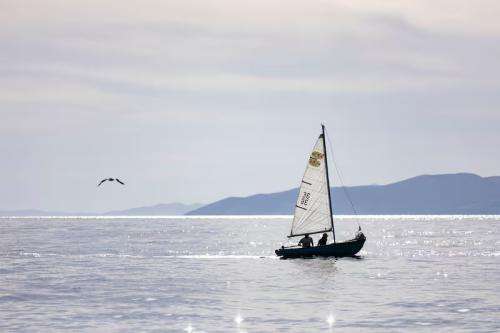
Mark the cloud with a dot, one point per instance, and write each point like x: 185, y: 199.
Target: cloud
x: 174, y: 89
x: 439, y: 17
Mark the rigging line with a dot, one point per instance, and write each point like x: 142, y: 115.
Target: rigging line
x: 337, y: 171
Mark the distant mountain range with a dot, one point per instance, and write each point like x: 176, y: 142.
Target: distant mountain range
x: 175, y: 208
x: 461, y: 193
x: 160, y: 209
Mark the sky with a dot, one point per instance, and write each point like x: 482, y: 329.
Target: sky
x: 194, y: 101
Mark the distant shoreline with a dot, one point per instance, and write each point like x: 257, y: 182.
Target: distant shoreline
x: 461, y: 194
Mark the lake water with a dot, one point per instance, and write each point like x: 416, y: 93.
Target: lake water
x: 221, y: 275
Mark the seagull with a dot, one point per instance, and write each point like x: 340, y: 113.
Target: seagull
x: 110, y: 179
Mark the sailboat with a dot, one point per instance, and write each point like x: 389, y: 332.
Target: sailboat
x: 313, y: 211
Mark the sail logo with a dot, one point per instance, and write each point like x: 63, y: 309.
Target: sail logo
x: 315, y: 159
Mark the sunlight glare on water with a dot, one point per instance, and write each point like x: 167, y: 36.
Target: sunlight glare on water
x: 189, y: 328
x: 238, y: 319
x: 330, y: 320
x: 194, y: 274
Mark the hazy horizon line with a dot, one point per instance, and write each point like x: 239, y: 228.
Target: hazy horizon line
x: 194, y: 217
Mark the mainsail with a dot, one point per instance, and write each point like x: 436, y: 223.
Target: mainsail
x: 312, y: 210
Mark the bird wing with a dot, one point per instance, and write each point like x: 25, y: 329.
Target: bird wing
x: 119, y: 181
x: 102, y: 181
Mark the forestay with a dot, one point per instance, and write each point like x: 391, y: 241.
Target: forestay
x: 312, y: 210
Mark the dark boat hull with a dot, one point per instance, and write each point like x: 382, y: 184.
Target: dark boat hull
x: 343, y: 249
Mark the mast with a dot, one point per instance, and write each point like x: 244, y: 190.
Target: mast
x: 328, y: 181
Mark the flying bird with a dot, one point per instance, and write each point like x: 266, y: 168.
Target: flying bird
x: 110, y: 180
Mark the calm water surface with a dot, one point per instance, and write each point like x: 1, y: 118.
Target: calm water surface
x: 221, y: 275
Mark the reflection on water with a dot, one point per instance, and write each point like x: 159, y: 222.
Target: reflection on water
x: 221, y: 275
x: 238, y: 319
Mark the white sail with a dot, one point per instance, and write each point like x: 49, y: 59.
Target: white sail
x: 312, y: 210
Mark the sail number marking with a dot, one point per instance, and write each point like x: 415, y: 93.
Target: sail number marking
x: 305, y: 198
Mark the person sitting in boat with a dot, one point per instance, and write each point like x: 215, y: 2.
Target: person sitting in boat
x: 306, y: 241
x: 359, y: 233
x: 323, y: 240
